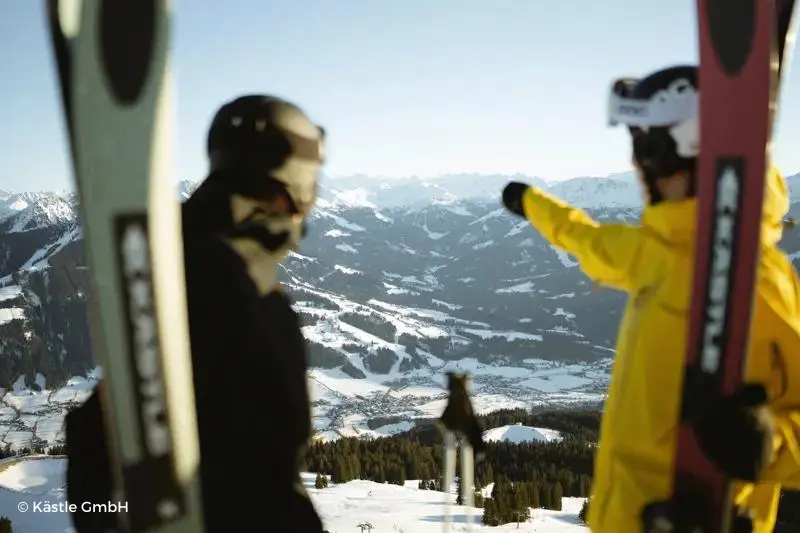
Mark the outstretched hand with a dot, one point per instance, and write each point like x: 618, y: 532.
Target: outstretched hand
x: 512, y: 197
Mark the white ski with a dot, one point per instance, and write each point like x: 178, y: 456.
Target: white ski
x: 114, y: 72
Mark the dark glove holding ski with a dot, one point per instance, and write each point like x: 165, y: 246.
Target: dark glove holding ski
x: 512, y: 197
x: 736, y: 434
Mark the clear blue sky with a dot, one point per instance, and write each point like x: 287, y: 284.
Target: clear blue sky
x: 403, y: 86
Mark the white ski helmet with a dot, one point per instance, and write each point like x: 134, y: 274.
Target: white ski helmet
x: 661, y: 112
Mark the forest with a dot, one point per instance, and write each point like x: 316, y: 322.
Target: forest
x: 526, y: 475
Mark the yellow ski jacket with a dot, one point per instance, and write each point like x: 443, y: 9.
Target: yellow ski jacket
x: 653, y: 263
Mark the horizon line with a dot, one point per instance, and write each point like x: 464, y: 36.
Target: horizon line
x: 343, y: 176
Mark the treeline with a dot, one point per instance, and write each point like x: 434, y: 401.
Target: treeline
x: 525, y: 475
x: 7, y: 451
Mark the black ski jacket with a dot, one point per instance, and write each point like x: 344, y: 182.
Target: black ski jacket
x: 252, y: 401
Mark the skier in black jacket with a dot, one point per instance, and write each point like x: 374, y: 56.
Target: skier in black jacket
x: 248, y: 352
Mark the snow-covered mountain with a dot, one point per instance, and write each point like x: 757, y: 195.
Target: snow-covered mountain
x: 415, y: 192
x: 21, y: 212
x: 397, y: 282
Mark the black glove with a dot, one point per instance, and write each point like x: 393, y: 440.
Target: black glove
x: 682, y: 515
x: 736, y: 433
x: 459, y: 416
x: 512, y: 197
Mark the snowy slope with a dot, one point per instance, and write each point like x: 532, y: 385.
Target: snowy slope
x: 407, y: 509
x: 30, y: 486
x: 30, y: 493
x: 518, y: 433
x: 10, y: 311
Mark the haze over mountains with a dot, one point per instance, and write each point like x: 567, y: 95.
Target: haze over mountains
x: 397, y: 281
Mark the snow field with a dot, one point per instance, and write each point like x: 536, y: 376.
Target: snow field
x: 26, y: 484
x: 35, y: 475
x: 518, y: 434
x: 27, y: 487
x: 407, y: 509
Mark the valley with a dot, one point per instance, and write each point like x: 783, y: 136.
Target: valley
x: 397, y: 283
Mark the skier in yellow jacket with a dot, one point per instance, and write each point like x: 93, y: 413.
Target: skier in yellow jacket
x: 653, y: 262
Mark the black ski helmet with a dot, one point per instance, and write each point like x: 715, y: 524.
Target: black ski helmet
x: 260, y: 145
x: 661, y: 111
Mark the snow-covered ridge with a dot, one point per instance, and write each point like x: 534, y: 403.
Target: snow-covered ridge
x: 33, y: 210
x: 451, y: 189
x: 617, y: 190
x: 25, y: 211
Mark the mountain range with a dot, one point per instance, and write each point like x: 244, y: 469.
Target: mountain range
x: 397, y: 280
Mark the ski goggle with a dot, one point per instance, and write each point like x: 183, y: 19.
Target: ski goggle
x: 663, y: 109
x: 297, y: 176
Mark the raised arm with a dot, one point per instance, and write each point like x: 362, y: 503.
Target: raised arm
x: 607, y: 253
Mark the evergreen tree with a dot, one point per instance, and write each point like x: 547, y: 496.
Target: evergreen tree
x: 584, y: 512
x: 585, y: 484
x: 354, y: 466
x: 545, y: 496
x: 520, y: 496
x: 413, y: 466
x: 401, y: 475
x: 568, y: 485
x: 424, y: 471
x: 395, y: 474
x: 490, y: 513
x: 497, y: 498
x: 477, y: 499
x: 558, y: 494
x: 341, y: 472
x: 488, y: 475
x: 5, y: 525
x: 533, y: 496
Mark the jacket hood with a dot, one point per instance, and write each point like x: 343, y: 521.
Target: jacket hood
x: 676, y: 221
